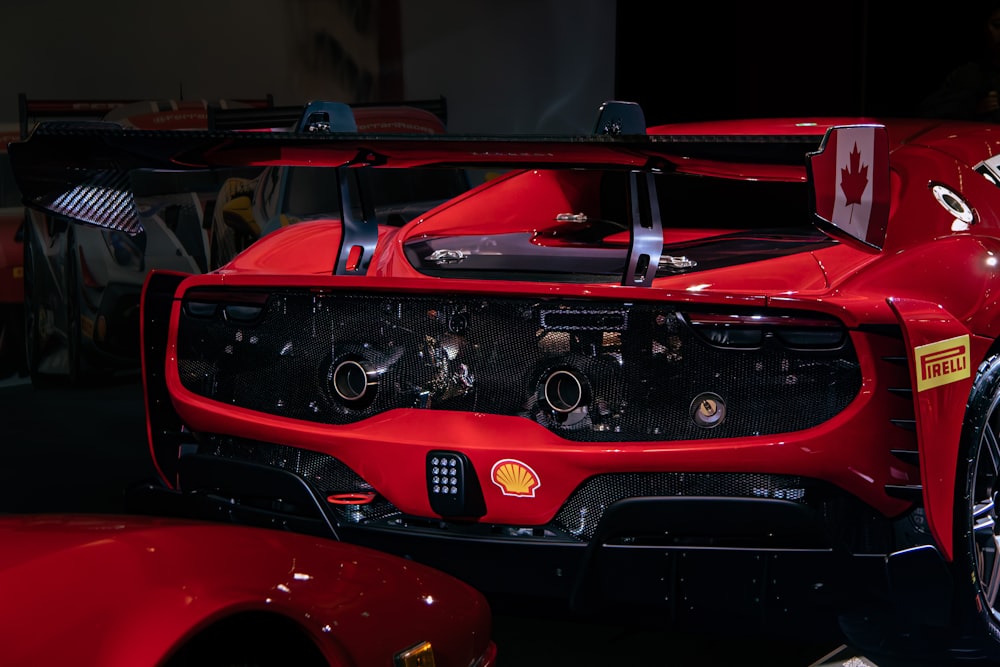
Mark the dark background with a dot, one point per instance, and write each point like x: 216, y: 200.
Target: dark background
x: 520, y: 65
x: 717, y: 60
x: 77, y: 450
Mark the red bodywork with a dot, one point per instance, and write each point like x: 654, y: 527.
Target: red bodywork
x: 924, y: 262
x: 11, y: 257
x: 776, y: 360
x: 120, y: 591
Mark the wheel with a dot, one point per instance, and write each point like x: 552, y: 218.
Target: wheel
x: 973, y: 636
x: 250, y: 640
x: 977, y: 543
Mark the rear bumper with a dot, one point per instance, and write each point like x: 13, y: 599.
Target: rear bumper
x: 763, y: 564
x: 755, y: 589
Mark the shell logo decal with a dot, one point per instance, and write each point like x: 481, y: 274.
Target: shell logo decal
x: 515, y: 478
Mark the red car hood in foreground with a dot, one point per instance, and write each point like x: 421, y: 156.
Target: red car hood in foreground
x: 126, y: 590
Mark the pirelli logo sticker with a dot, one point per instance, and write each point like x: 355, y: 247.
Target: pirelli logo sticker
x: 942, y: 362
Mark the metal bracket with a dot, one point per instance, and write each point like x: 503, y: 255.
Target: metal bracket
x: 359, y: 235
x: 645, y: 232
x: 616, y: 118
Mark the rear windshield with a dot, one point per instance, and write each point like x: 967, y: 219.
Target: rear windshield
x: 398, y: 194
x: 704, y: 202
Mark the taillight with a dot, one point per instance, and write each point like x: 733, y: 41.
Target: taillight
x: 750, y: 330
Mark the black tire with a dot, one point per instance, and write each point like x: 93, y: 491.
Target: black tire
x: 977, y: 528
x: 973, y: 636
x: 250, y: 640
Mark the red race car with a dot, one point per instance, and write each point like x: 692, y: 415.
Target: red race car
x: 738, y: 370
x: 247, y: 208
x: 81, y: 285
x: 133, y: 590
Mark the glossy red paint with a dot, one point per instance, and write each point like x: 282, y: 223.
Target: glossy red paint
x: 11, y: 257
x: 919, y: 261
x: 941, y: 408
x: 877, y: 337
x: 120, y: 591
x: 404, y: 437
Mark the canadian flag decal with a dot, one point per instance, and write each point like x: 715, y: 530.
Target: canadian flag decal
x: 854, y: 179
x: 850, y: 179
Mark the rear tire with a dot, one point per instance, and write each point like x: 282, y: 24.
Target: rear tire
x: 977, y: 528
x: 973, y: 635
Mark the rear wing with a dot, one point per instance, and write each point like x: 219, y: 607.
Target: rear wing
x: 850, y: 177
x: 81, y: 171
x: 33, y: 111
x: 431, y: 114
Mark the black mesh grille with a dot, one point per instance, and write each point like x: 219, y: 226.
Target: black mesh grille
x: 327, y: 475
x: 585, y: 508
x: 627, y: 372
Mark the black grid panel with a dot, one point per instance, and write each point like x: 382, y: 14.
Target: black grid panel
x: 584, y: 510
x: 639, y: 365
x: 325, y: 474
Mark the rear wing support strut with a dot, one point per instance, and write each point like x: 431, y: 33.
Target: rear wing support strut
x: 645, y: 232
x: 646, y: 228
x: 359, y: 234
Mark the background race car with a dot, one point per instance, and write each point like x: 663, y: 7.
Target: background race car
x: 12, y: 359
x: 82, y: 283
x: 248, y: 208
x: 740, y: 370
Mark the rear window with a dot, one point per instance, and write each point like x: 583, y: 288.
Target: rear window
x: 705, y: 202
x: 399, y: 194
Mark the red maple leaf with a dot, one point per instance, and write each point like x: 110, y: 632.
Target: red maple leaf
x: 854, y: 178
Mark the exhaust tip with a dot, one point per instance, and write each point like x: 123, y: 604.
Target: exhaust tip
x: 353, y: 382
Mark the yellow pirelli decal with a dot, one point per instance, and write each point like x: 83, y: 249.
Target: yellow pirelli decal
x: 942, y: 362
x: 19, y: 272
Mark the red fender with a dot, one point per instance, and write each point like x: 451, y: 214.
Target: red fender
x: 941, y: 374
x: 11, y: 257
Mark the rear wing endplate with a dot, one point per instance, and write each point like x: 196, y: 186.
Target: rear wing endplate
x: 850, y: 183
